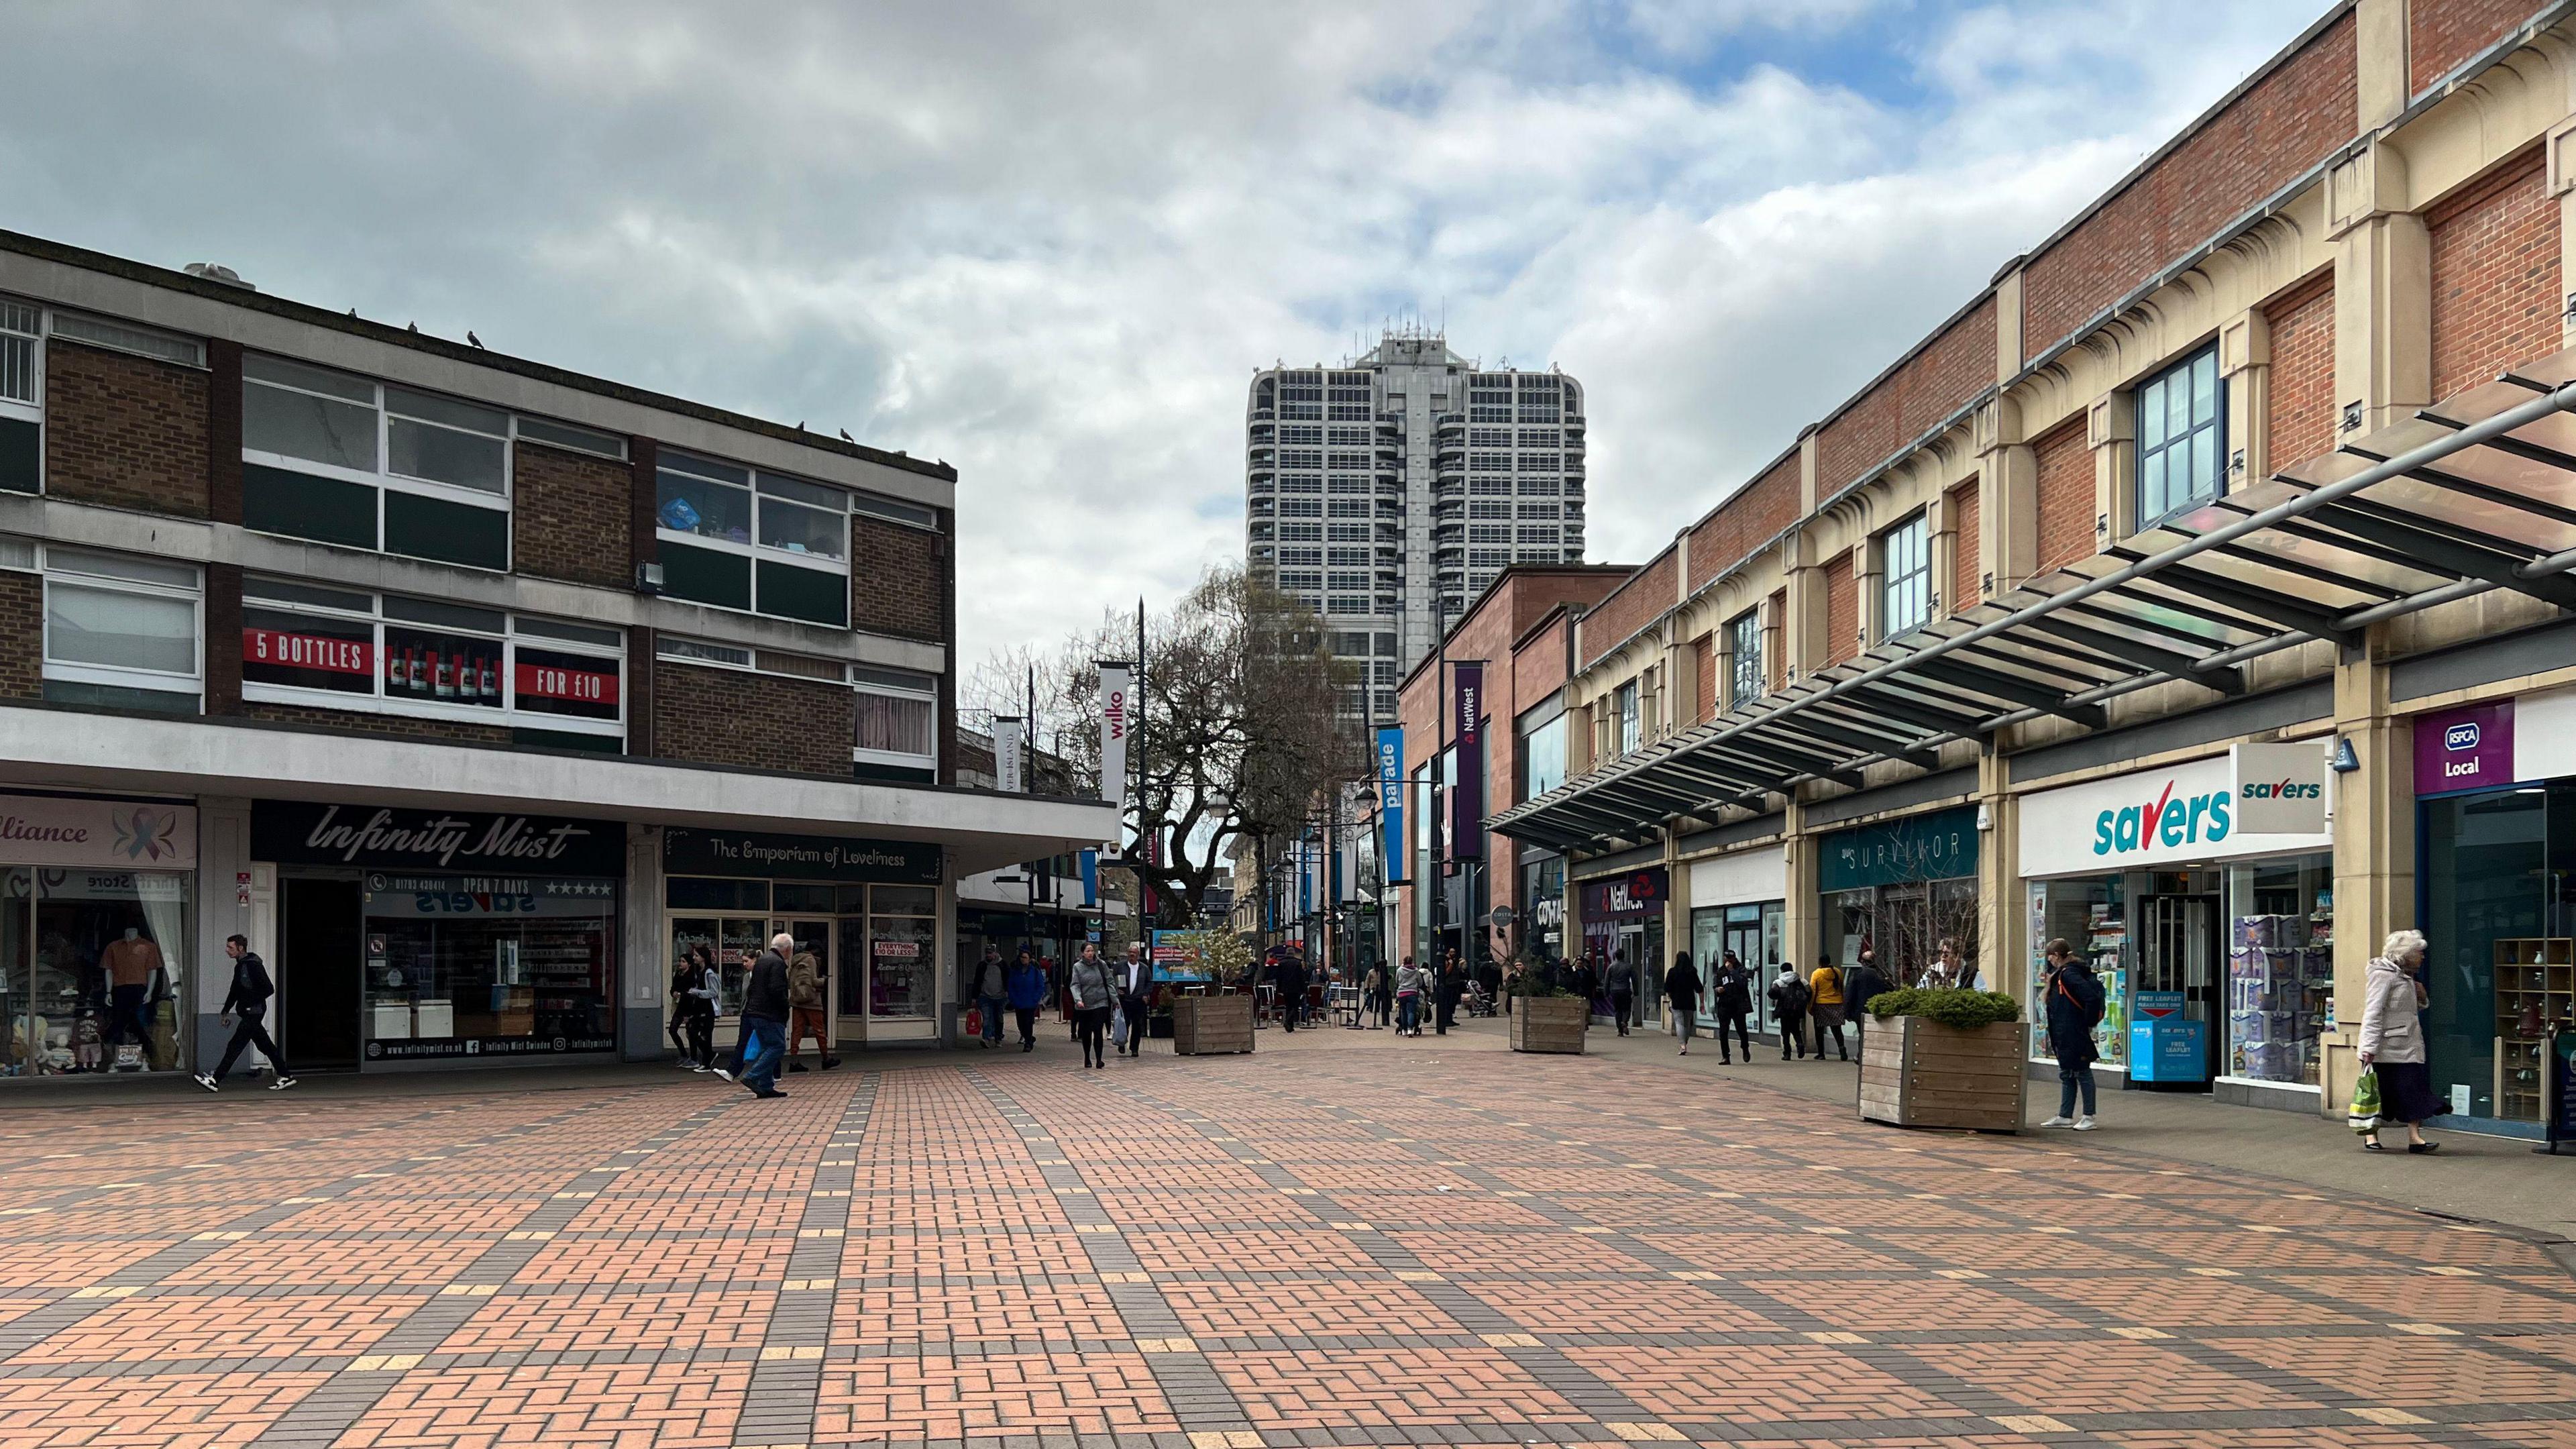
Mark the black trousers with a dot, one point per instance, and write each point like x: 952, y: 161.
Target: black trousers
x: 1133, y: 1008
x: 249, y: 1030
x: 1028, y: 1019
x: 1620, y: 1001
x: 1384, y: 1004
x: 1734, y: 1024
x: 1793, y: 1035
x: 702, y: 1037
x: 1091, y: 1028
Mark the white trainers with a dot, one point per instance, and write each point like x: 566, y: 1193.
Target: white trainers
x: 2086, y: 1123
x: 2059, y: 1121
x: 281, y: 1084
x: 207, y: 1081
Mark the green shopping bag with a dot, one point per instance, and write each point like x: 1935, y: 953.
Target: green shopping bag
x: 2363, y: 1115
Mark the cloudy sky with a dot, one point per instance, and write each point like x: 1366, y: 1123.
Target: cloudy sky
x: 1048, y: 242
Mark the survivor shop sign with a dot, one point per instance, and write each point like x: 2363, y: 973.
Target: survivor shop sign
x: 295, y: 833
x: 764, y: 856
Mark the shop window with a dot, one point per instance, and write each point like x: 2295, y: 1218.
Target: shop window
x: 2182, y: 436
x: 483, y: 966
x: 122, y: 632
x: 1744, y: 648
x: 903, y: 952
x: 344, y: 649
x: 897, y: 719
x: 2091, y: 916
x: 341, y: 459
x: 22, y: 395
x: 2280, y: 967
x: 744, y: 539
x: 1905, y: 596
x: 1631, y: 723
x: 93, y: 971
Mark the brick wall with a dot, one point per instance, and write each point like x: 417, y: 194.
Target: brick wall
x: 1632, y: 606
x: 392, y: 726
x: 897, y: 585
x: 2278, y: 128
x: 22, y: 635
x: 726, y: 717
x: 2442, y: 33
x: 125, y: 431
x: 1956, y: 365
x: 1842, y: 610
x: 571, y: 516
x: 2066, y: 512
x: 2303, y: 413
x: 1967, y: 580
x: 1750, y: 517
x: 1704, y: 661
x: 2495, y: 276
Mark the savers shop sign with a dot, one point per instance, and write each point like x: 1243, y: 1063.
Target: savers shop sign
x: 2256, y: 800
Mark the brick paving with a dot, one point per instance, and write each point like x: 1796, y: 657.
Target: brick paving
x: 1342, y: 1240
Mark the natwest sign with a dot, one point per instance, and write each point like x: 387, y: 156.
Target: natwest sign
x: 2214, y: 809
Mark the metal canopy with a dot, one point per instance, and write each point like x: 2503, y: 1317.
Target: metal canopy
x: 2474, y: 494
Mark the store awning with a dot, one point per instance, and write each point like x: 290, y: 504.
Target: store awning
x: 2474, y: 494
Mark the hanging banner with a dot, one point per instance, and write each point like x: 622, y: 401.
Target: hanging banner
x: 1467, y: 796
x: 1008, y: 776
x: 1115, y: 682
x: 1091, y: 880
x: 1390, y: 800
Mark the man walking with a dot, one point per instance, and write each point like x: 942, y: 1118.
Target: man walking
x: 1789, y: 1007
x: 1027, y: 984
x: 1288, y: 981
x: 249, y: 1001
x: 990, y: 991
x: 1826, y: 1002
x: 805, y: 1011
x: 764, y: 1018
x: 1860, y: 983
x: 1135, y: 989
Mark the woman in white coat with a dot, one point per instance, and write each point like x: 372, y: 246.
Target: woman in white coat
x: 2392, y: 1041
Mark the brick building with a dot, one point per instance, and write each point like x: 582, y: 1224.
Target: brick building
x: 474, y: 692
x: 2245, y: 492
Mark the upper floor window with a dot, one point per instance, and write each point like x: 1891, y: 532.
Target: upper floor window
x: 120, y: 631
x: 1744, y: 649
x: 2182, y: 415
x: 1905, y: 599
x: 750, y: 539
x: 898, y: 721
x: 1541, y: 753
x: 22, y: 395
x: 1631, y: 723
x: 341, y: 459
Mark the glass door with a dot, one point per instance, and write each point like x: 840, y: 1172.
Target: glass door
x: 812, y: 937
x: 2177, y: 983
x: 1743, y: 936
x: 850, y: 979
x: 22, y: 1033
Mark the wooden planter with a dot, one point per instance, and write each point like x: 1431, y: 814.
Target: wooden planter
x: 1211, y: 1025
x: 1915, y: 1072
x: 1550, y: 1024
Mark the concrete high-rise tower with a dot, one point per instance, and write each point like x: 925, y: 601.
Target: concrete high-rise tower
x: 1389, y: 491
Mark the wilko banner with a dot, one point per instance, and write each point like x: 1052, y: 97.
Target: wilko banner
x: 1467, y: 796
x: 291, y: 650
x: 1116, y: 681
x: 1390, y: 800
x: 579, y: 686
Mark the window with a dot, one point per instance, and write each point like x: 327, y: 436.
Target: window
x: 22, y: 394
x: 122, y: 631
x: 1490, y: 486
x: 1302, y: 532
x: 1489, y: 462
x: 573, y: 439
x: 1539, y: 437
x: 1538, y: 535
x: 1541, y: 754
x: 1350, y: 483
x: 2181, y: 429
x: 1541, y: 488
x: 1350, y: 437
x: 374, y: 653
x: 1301, y: 483
x: 1339, y: 580
x: 117, y: 337
x: 1489, y: 533
x: 1302, y: 508
x: 1349, y: 603
x: 1489, y: 510
x: 1543, y: 511
x: 1744, y: 648
x: 911, y: 515
x: 757, y: 541
x: 1302, y: 435
x: 1539, y: 462
x: 1905, y: 557
x: 340, y: 459
x: 1312, y: 557
x: 1351, y: 533
x: 1347, y: 558
x: 1631, y: 725
x: 898, y: 715
x: 1346, y: 508
x: 1301, y: 457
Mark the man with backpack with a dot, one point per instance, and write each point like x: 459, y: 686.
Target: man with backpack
x: 805, y: 1011
x: 248, y: 1000
x: 1789, y: 1007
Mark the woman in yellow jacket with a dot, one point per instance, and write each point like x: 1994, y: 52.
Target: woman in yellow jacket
x: 1826, y: 990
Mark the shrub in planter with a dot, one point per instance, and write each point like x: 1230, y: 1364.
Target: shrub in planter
x: 1944, y: 1058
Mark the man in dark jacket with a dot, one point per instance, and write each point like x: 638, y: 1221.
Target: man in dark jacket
x: 1622, y: 985
x: 1860, y: 983
x: 1027, y: 985
x: 764, y: 1018
x: 2075, y: 1001
x: 1288, y: 980
x: 1734, y: 992
x: 1789, y: 1008
x: 1135, y: 997
x: 244, y: 1007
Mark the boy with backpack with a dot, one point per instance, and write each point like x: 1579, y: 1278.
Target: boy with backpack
x: 1789, y: 1006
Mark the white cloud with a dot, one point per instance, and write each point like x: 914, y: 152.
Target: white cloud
x: 1048, y: 243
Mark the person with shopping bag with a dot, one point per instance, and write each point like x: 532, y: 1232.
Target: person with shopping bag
x: 2393, y: 1068
x: 2075, y: 1001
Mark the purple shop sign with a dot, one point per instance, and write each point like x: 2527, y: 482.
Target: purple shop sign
x: 2464, y: 749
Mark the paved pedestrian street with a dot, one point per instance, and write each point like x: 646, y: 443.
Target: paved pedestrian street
x: 1344, y: 1239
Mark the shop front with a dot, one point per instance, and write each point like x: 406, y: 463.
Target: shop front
x: 868, y: 910
x: 2496, y: 883
x: 1897, y: 889
x: 1740, y: 903
x: 1542, y: 903
x: 407, y: 937
x: 1624, y: 915
x: 2202, y: 895
x: 95, y: 921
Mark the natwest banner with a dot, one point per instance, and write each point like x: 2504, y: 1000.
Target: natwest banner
x: 1467, y: 796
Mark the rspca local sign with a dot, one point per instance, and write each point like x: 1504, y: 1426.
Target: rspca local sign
x: 2253, y: 800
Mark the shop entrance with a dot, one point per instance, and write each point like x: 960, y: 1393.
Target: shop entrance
x: 2178, y: 954
x: 319, y: 949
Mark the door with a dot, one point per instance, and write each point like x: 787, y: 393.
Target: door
x: 319, y: 953
x: 1743, y: 936
x: 850, y: 984
x: 22, y: 1028
x: 2178, y: 975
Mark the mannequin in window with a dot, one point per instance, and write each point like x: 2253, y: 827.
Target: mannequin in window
x: 130, y: 961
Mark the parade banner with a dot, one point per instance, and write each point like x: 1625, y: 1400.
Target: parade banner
x: 1390, y: 800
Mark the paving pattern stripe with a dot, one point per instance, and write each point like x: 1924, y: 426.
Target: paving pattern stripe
x: 778, y: 1407
x: 348, y: 1396
x: 1199, y: 1397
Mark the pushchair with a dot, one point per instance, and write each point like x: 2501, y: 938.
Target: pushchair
x: 1478, y: 1001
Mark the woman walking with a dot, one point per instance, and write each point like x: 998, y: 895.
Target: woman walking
x: 1087, y: 985
x: 2392, y: 1041
x: 1681, y: 996
x: 684, y: 978
x: 1734, y: 992
x: 702, y: 1008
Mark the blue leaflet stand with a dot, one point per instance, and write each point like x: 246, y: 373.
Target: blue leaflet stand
x: 2164, y: 1046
